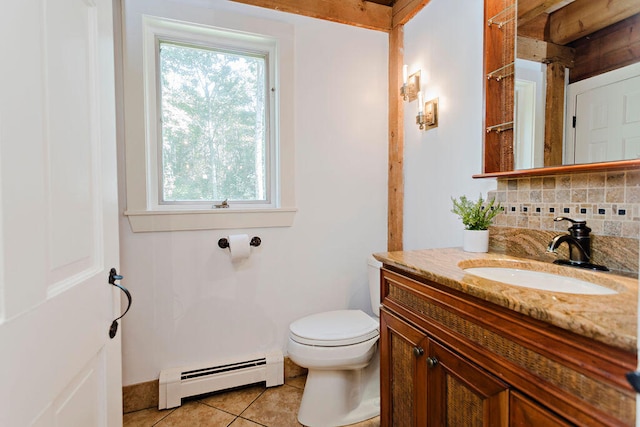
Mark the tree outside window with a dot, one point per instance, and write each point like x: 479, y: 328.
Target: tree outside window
x: 214, y: 113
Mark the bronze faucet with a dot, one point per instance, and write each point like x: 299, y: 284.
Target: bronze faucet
x: 579, y: 242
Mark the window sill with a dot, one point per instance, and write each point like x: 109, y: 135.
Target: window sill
x: 149, y: 221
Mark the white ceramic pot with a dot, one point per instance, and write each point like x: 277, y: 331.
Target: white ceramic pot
x: 476, y: 241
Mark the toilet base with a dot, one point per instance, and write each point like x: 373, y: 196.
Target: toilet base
x: 334, y: 398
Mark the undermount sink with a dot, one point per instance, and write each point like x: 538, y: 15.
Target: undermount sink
x: 539, y: 280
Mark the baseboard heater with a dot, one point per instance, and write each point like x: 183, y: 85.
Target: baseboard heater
x: 189, y: 381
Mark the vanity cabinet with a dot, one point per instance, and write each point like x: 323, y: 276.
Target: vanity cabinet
x: 420, y: 368
x: 451, y: 359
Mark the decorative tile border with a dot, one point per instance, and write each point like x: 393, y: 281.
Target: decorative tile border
x: 609, y: 201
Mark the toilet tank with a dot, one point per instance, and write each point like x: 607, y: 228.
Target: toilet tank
x: 374, y: 284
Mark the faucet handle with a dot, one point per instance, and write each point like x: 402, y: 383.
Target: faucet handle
x: 578, y: 228
x: 573, y: 221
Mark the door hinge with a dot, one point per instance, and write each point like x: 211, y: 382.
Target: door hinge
x: 574, y: 122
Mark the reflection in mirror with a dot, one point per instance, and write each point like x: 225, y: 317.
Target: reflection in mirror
x: 604, y: 112
x: 560, y: 45
x: 530, y: 84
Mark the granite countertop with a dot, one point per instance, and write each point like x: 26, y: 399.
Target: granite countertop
x: 611, y: 319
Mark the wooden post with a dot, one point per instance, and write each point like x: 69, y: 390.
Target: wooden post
x: 396, y: 141
x: 403, y: 11
x: 554, y: 114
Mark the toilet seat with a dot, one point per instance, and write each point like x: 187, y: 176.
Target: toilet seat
x: 334, y: 328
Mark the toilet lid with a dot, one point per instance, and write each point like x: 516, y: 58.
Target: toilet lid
x: 334, y: 328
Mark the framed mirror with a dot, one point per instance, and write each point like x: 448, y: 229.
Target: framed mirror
x: 548, y: 61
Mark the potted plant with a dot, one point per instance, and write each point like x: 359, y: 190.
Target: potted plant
x: 476, y: 217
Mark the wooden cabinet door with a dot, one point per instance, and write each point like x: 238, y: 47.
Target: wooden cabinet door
x: 462, y: 394
x: 524, y: 412
x: 403, y: 371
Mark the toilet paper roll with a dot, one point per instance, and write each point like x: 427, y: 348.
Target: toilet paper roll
x: 239, y: 246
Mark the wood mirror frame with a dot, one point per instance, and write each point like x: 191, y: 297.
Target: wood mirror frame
x: 501, y: 30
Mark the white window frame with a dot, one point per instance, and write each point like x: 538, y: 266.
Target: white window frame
x: 144, y: 210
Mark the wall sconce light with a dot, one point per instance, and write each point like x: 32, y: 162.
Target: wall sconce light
x: 427, y: 117
x: 410, y: 84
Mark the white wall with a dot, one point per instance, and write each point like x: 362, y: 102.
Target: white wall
x: 191, y: 304
x: 444, y: 41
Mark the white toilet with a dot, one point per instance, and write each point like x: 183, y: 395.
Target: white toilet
x: 340, y: 349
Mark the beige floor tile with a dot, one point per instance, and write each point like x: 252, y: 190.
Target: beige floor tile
x: 277, y: 407
x: 234, y: 401
x: 298, y: 382
x: 373, y: 422
x: 144, y: 418
x: 196, y: 414
x: 241, y: 422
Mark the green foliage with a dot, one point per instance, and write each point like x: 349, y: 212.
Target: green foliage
x: 476, y: 215
x: 213, y: 124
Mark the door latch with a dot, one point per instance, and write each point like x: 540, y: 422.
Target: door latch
x: 113, y: 276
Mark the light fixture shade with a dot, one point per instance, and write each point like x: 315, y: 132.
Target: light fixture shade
x: 411, y: 86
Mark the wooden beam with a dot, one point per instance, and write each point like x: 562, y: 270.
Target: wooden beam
x: 608, y: 49
x: 537, y: 28
x: 539, y: 51
x: 529, y: 10
x: 404, y: 10
x: 583, y: 17
x: 359, y: 13
x: 395, y: 217
x: 554, y: 115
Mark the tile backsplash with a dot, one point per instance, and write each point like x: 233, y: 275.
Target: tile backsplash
x: 609, y: 201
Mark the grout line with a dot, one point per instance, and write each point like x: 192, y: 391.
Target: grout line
x: 252, y: 421
x: 252, y: 402
x: 163, y: 418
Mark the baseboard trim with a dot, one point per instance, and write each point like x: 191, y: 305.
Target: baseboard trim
x: 140, y: 396
x: 137, y: 397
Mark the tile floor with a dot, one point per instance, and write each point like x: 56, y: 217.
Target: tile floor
x: 253, y: 406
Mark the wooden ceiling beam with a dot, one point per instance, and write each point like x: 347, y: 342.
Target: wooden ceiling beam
x: 539, y: 51
x: 528, y: 10
x: 537, y: 28
x: 404, y: 10
x: 359, y: 13
x: 583, y: 17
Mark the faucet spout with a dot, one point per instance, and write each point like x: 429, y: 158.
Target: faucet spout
x: 579, y: 243
x: 577, y: 254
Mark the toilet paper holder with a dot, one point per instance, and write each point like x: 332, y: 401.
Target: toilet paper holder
x: 224, y: 242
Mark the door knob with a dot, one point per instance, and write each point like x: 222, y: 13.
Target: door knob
x: 432, y: 362
x: 418, y: 351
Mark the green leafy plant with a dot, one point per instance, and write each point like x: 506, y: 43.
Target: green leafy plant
x: 476, y: 215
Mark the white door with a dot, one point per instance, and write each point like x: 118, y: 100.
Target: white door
x: 58, y: 215
x: 608, y: 122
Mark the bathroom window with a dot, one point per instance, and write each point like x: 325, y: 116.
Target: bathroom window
x: 218, y: 124
x: 214, y: 108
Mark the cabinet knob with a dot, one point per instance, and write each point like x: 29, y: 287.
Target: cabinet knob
x: 418, y: 351
x: 432, y: 362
